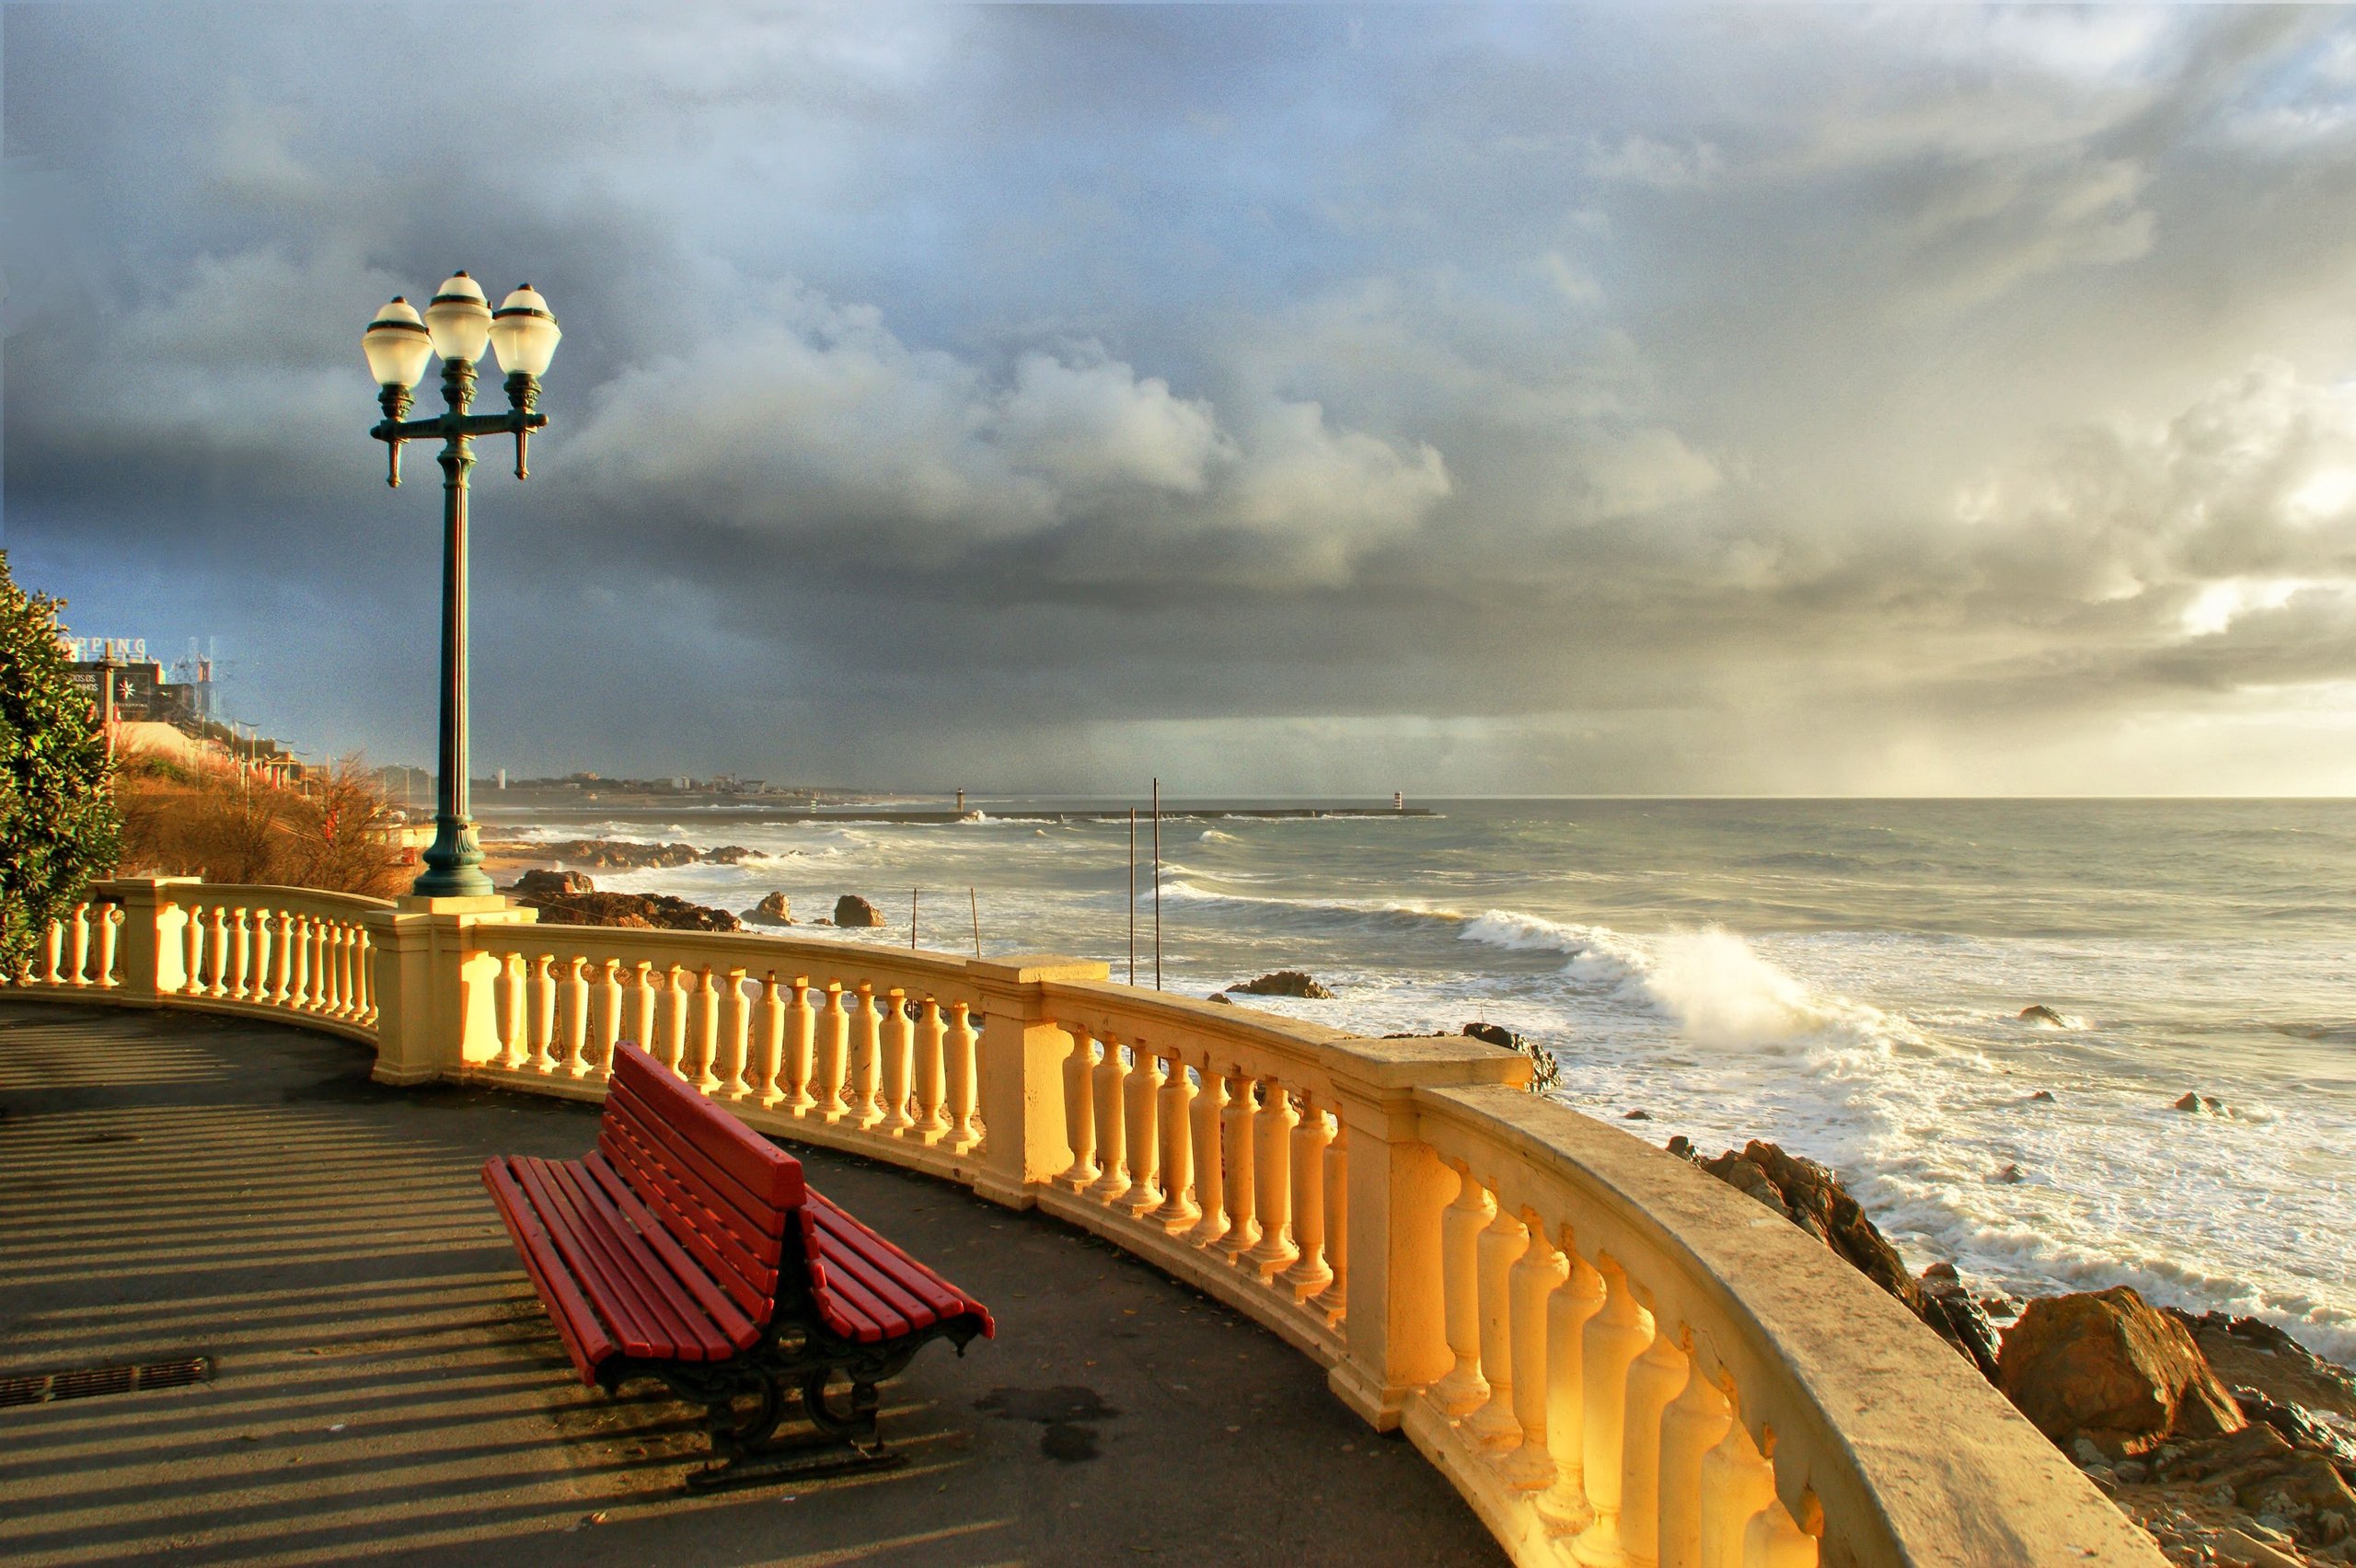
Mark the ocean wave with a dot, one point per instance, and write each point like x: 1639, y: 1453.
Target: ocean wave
x: 1212, y: 835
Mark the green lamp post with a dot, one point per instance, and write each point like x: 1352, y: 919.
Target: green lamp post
x: 458, y: 324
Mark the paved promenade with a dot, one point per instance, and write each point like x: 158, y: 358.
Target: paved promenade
x: 387, y: 1390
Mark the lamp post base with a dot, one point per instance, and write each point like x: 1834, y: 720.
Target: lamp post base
x: 454, y: 863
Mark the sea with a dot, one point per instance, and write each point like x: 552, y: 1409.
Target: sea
x: 1846, y: 978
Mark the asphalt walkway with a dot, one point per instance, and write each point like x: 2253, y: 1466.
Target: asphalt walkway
x: 386, y: 1389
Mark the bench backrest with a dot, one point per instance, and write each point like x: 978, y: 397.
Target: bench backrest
x: 725, y: 1195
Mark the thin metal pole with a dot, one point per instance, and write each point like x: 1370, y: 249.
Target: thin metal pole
x: 1157, y: 885
x: 975, y: 904
x: 1133, y: 895
x: 912, y: 919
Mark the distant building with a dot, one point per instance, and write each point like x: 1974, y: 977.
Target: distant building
x: 143, y: 692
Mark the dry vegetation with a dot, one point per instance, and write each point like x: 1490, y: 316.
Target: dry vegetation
x: 205, y: 820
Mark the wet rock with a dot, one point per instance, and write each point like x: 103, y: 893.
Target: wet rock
x: 541, y: 884
x: 772, y: 910
x: 1967, y: 1321
x: 1225, y: 1001
x: 631, y: 910
x: 2299, y: 1425
x: 2201, y: 1104
x: 616, y: 853
x: 2106, y: 1367
x: 730, y: 855
x: 1682, y: 1147
x: 1637, y: 1116
x: 1285, y: 983
x: 1493, y: 1034
x: 852, y: 912
x: 2038, y: 1013
x: 2042, y: 1096
x: 2253, y: 1352
x: 2005, y: 1175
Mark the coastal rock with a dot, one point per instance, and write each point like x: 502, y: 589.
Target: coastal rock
x: 772, y: 910
x: 2201, y: 1104
x: 730, y: 855
x: 1967, y: 1321
x: 1638, y: 1115
x: 634, y: 910
x: 2253, y: 1352
x: 540, y: 884
x: 1813, y: 1198
x: 614, y: 853
x: 2042, y: 1096
x: 2038, y: 1013
x: 1493, y: 1034
x: 1285, y: 983
x: 853, y: 912
x: 1221, y: 997
x: 2106, y: 1367
x: 2006, y: 1175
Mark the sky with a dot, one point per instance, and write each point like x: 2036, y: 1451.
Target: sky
x: 1279, y: 401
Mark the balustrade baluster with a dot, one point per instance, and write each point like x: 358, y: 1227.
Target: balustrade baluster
x: 671, y: 1024
x: 1309, y: 1273
x: 298, y: 962
x: 51, y: 969
x: 241, y: 948
x: 605, y: 1019
x: 193, y: 951
x: 866, y: 1060
x: 109, y: 917
x: 1776, y: 1539
x: 735, y: 1035
x: 1694, y: 1425
x: 932, y: 1084
x: 643, y: 1003
x: 330, y: 977
x: 1333, y: 1302
x: 768, y: 1054
x: 1080, y: 1113
x: 216, y: 941
x: 703, y: 1031
x: 574, y: 1004
x: 833, y: 1051
x: 1112, y: 1125
x: 79, y: 945
x: 1498, y: 1246
x: 1180, y: 1210
x: 1654, y: 1382
x: 258, y: 976
x: 1615, y: 1337
x: 1141, y: 1109
x: 964, y: 1132
x: 1564, y: 1505
x: 899, y: 1063
x: 1738, y: 1482
x: 364, y: 973
x: 1272, y: 1128
x: 1210, y: 1165
x: 346, y: 977
x: 514, y: 1034
x: 539, y: 1011
x: 1235, y: 1137
x: 1462, y: 1389
x: 281, y: 961
x: 1530, y: 1466
x: 801, y: 1048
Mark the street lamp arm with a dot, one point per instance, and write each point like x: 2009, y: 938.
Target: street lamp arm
x: 449, y: 427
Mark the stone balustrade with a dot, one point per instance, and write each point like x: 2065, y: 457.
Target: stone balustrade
x: 1615, y: 1358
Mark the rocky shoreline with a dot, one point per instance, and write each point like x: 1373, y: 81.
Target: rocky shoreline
x: 2224, y: 1437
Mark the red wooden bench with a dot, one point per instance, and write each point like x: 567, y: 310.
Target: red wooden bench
x: 686, y: 1248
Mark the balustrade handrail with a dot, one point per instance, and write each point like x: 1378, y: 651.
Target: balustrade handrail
x: 1613, y: 1356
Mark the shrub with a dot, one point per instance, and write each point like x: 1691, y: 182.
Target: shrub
x: 58, y: 825
x: 210, y: 820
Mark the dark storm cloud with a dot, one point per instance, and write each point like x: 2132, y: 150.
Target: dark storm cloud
x: 1481, y: 400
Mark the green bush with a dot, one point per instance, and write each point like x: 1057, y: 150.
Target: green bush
x: 58, y: 824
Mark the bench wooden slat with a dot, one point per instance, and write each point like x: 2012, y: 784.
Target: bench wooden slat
x: 585, y: 1338
x: 905, y: 1274
x: 751, y: 1285
x: 670, y: 1315
x: 741, y: 1328
x: 637, y: 1332
x: 763, y: 1169
x: 757, y: 1220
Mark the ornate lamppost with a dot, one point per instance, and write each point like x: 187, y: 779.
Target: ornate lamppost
x: 457, y: 324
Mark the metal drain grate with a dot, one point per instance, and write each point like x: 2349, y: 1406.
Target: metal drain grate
x: 83, y: 1382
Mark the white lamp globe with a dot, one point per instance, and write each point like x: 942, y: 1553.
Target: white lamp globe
x: 524, y: 333
x: 396, y: 345
x: 460, y: 319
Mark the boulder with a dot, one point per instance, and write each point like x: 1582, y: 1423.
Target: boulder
x: 1493, y: 1034
x: 2038, y: 1013
x: 2105, y: 1365
x: 2200, y: 1103
x: 772, y: 910
x: 854, y: 912
x: 1967, y: 1321
x: 1285, y: 983
x: 1222, y: 998
x: 731, y: 855
x: 2252, y: 1352
x: 540, y: 884
x: 634, y: 910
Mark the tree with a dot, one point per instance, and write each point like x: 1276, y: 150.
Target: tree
x: 58, y: 824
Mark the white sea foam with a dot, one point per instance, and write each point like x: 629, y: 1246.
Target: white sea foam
x: 1212, y: 835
